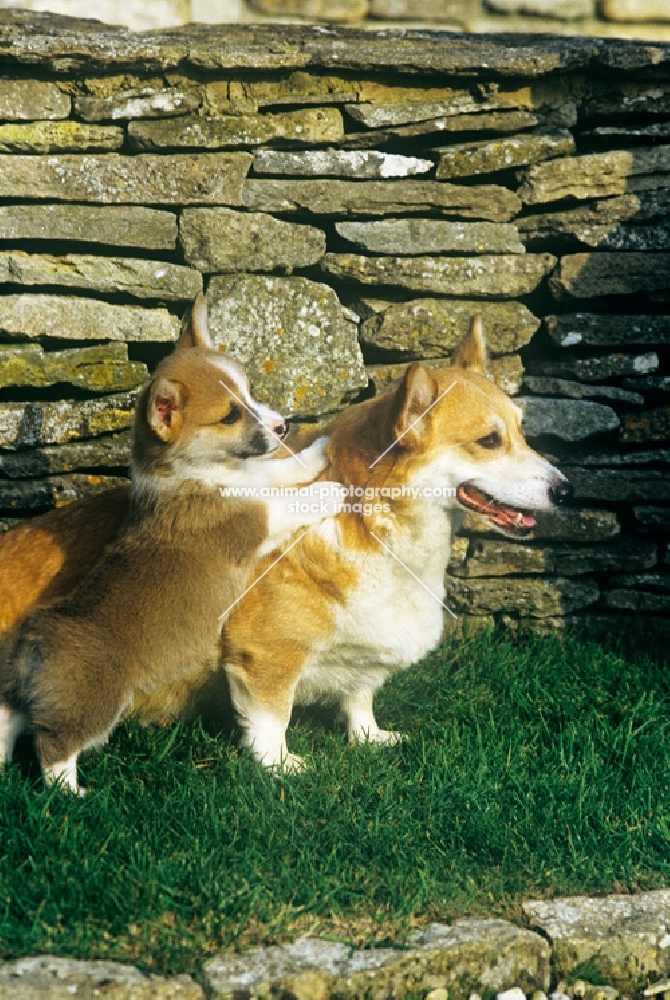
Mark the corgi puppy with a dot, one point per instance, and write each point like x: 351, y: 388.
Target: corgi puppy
x: 153, y: 607
x: 361, y: 596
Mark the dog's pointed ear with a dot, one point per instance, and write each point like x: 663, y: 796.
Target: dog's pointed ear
x: 414, y: 397
x: 165, y: 408
x: 471, y: 352
x: 195, y: 331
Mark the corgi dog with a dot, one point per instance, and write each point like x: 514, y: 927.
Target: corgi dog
x: 152, y: 609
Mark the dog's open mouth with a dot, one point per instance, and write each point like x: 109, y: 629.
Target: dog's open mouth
x: 507, y: 519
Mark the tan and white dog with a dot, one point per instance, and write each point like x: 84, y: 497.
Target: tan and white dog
x: 152, y: 609
x: 358, y: 596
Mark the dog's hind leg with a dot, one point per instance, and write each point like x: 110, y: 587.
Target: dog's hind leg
x: 12, y: 724
x: 65, y: 772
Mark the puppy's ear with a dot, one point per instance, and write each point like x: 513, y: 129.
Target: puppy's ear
x: 414, y: 397
x: 165, y: 408
x: 471, y: 352
x: 195, y: 332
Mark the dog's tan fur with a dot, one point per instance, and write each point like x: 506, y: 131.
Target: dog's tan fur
x: 150, y: 612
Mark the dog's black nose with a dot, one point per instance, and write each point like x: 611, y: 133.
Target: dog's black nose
x: 280, y: 429
x: 561, y: 492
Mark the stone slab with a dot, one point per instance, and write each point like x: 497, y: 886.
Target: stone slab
x: 149, y: 228
x: 299, y: 343
x: 546, y: 386
x: 604, y: 366
x: 594, y: 275
x: 67, y: 318
x: 650, y: 383
x: 138, y: 102
x: 560, y: 10
x: 594, y: 175
x: 344, y: 198
x: 505, y: 372
x: 145, y: 279
x: 182, y: 178
x: 319, y: 10
x: 635, y: 10
x: 492, y: 276
x: 483, y: 121
x: 646, y: 581
x: 111, y: 451
x: 488, y: 558
x: 407, y: 112
x: 567, y: 419
x: 405, y: 10
x: 364, y: 164
x: 98, y: 369
x: 614, y: 485
x: 567, y: 524
x: 652, y: 517
x: 635, y: 600
x: 61, y: 978
x: 28, y: 425
x: 629, y: 133
x: 298, y: 87
x: 626, y: 97
x: 534, y: 597
x: 431, y: 236
x: 607, y: 330
x: 59, y: 137
x: 612, y: 223
x: 318, y: 125
x: 650, y: 425
x: 220, y: 239
x: 32, y: 100
x: 431, y: 328
x: 486, y: 156
x: 618, y: 936
x: 470, y: 955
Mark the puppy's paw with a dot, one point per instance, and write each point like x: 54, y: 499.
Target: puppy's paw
x: 291, y: 764
x: 313, y: 459
x: 381, y: 737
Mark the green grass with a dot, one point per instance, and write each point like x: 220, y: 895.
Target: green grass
x: 532, y: 767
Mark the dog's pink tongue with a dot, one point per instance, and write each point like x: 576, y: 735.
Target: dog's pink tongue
x: 511, y: 516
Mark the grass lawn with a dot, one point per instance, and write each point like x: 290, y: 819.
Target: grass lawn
x: 531, y: 768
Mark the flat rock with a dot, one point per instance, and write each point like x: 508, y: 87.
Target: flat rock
x: 650, y: 425
x: 601, y: 330
x: 408, y: 111
x: 595, y: 175
x: 310, y: 125
x: 99, y: 369
x: 431, y: 328
x: 486, y: 156
x: 183, y: 179
x: 619, y: 97
x: 471, y: 954
x: 293, y: 88
x: 600, y: 367
x: 61, y: 978
x: 535, y: 597
x: 645, y: 581
x: 506, y: 372
x: 294, y: 335
x: 652, y: 517
x: 343, y: 198
x: 471, y: 276
x: 145, y: 279
x: 138, y: 102
x: 635, y: 10
x: 488, y: 558
x: 613, y: 485
x: 58, y: 137
x: 320, y: 10
x: 567, y: 419
x: 428, y: 236
x: 220, y: 239
x: 593, y: 275
x: 404, y: 10
x: 32, y: 100
x: 483, y: 121
x: 111, y: 451
x: 530, y: 95
x: 545, y: 386
x: 28, y: 425
x: 561, y: 10
x: 659, y: 131
x: 610, y: 459
x: 636, y: 600
x: 363, y: 164
x: 650, y: 383
x: 612, y: 223
x: 67, y: 318
x: 149, y: 228
x: 567, y: 524
x: 623, y: 938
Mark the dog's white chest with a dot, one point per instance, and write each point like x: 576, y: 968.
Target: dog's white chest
x: 392, y: 618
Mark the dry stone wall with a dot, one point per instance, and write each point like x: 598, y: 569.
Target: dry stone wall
x: 347, y: 200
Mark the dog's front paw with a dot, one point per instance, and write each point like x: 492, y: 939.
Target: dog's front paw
x: 291, y: 764
x: 382, y: 737
x: 314, y: 459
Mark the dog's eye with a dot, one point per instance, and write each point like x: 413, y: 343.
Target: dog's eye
x: 492, y: 440
x: 233, y: 415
